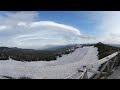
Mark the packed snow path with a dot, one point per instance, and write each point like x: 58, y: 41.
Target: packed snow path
x: 58, y: 69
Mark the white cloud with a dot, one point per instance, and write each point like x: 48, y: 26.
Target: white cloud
x: 109, y: 27
x: 22, y: 24
x: 53, y: 24
x: 106, y: 25
x: 47, y: 33
x: 3, y: 27
x: 10, y: 18
x: 24, y: 32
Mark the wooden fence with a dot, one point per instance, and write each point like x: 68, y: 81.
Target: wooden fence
x: 104, y: 66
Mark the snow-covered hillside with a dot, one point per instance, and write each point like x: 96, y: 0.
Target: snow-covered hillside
x: 58, y: 69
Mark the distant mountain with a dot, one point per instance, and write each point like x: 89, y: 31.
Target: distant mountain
x: 35, y: 55
x: 52, y: 47
x: 60, y: 47
x: 115, y: 45
x: 8, y: 49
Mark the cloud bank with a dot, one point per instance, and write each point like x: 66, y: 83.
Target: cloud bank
x: 19, y: 29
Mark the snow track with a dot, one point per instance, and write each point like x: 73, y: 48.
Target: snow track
x: 58, y: 69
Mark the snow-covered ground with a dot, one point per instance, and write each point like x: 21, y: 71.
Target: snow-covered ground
x: 58, y: 69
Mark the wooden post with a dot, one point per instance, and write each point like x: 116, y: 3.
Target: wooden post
x: 108, y: 66
x: 85, y: 75
x: 118, y: 59
x: 113, y: 63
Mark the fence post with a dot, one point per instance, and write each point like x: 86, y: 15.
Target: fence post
x: 85, y: 76
x: 108, y: 67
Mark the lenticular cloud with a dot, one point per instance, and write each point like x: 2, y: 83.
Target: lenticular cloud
x: 38, y: 34
x: 47, y: 33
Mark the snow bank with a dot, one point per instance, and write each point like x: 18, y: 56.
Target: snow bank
x: 59, y: 69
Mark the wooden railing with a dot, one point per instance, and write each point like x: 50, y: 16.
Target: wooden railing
x: 104, y: 68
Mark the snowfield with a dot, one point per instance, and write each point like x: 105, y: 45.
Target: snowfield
x: 58, y: 69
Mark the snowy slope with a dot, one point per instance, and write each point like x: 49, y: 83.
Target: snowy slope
x: 59, y: 69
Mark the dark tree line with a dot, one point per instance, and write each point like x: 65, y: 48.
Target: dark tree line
x: 105, y: 50
x: 33, y: 55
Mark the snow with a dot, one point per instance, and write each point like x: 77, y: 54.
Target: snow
x: 58, y: 69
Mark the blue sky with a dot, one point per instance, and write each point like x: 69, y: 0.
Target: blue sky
x: 82, y: 20
x: 40, y: 29
x: 77, y: 19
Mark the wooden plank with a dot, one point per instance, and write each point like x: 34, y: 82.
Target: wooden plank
x: 84, y: 75
x: 93, y: 71
x: 97, y: 72
x: 74, y: 75
x: 108, y: 66
x: 113, y: 64
x: 103, y: 77
x: 102, y: 69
